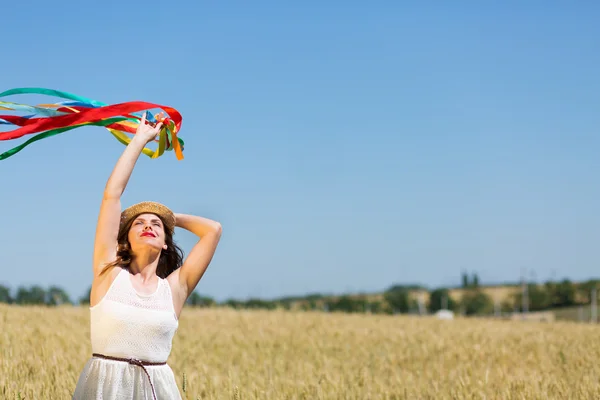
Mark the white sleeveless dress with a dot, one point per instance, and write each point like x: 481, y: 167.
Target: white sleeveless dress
x: 126, y: 324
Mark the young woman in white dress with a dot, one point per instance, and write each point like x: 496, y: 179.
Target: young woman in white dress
x: 140, y: 285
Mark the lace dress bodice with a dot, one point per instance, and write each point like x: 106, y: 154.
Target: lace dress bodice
x: 127, y: 324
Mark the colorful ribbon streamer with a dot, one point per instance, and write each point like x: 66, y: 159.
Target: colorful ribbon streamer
x: 52, y: 119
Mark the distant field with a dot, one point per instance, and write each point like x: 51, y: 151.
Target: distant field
x: 497, y: 293
x: 227, y: 354
x: 577, y: 313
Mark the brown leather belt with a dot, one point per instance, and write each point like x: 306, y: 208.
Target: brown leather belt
x: 134, y: 361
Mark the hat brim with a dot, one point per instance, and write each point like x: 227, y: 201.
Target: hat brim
x: 150, y: 207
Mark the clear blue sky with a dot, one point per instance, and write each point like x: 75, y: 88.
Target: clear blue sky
x: 344, y: 147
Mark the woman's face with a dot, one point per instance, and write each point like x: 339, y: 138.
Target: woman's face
x: 147, y: 230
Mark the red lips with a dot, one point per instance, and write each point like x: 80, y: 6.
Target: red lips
x: 148, y: 234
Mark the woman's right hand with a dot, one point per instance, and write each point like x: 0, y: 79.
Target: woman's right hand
x: 147, y: 132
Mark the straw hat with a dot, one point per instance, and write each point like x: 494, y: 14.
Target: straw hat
x: 149, y: 207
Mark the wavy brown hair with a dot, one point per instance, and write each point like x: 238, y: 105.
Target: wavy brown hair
x: 170, y: 259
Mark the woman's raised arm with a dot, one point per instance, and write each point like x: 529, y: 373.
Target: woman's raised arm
x: 107, y: 228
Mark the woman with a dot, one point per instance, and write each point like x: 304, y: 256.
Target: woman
x: 140, y: 285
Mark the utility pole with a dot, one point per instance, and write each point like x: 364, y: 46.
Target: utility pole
x: 421, y: 304
x: 525, y: 296
x: 594, y: 305
x: 496, y: 307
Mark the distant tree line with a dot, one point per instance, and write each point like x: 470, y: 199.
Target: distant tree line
x: 35, y: 294
x: 397, y: 299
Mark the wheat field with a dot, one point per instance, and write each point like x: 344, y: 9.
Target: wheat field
x: 227, y: 354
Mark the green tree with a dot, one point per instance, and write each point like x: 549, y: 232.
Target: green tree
x: 584, y: 290
x: 5, y: 296
x: 437, y: 299
x: 506, y: 306
x: 347, y: 304
x: 22, y: 296
x: 475, y: 282
x: 197, y: 300
x: 476, y: 302
x: 313, y: 304
x: 406, y: 287
x: 398, y: 300
x: 285, y: 304
x: 85, y: 299
x: 57, y: 296
x: 564, y: 294
x: 235, y: 304
x: 34, y: 295
x: 309, y: 305
x: 37, y: 294
x: 259, y: 303
x: 375, y: 306
x: 465, y: 280
x: 314, y: 297
x: 539, y: 298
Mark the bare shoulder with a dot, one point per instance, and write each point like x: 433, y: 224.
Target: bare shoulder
x: 101, y: 284
x: 178, y: 290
